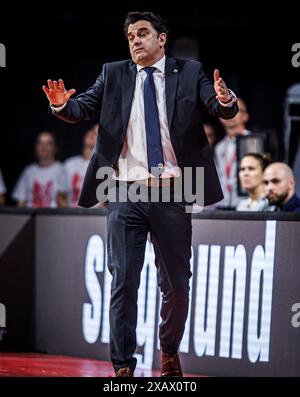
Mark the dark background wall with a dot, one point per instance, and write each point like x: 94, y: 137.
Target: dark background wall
x: 249, y: 43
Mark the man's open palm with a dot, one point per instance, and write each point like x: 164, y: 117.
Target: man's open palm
x: 220, y: 87
x: 56, y: 92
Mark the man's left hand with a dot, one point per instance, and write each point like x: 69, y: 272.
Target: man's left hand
x: 223, y: 94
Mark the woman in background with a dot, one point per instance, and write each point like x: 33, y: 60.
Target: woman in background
x: 251, y: 171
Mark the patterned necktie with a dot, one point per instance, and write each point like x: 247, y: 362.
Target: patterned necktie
x: 154, y: 146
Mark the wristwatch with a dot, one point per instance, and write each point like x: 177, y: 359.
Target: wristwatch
x: 231, y: 97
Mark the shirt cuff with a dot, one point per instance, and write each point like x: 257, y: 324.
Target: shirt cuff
x: 232, y: 102
x: 57, y: 109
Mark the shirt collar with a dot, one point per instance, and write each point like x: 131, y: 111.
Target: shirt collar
x: 160, y: 65
x: 233, y: 139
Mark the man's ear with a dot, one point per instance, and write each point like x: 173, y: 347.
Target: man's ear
x: 246, y: 117
x: 162, y: 39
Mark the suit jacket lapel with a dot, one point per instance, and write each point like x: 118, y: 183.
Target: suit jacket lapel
x: 128, y: 86
x: 171, y: 75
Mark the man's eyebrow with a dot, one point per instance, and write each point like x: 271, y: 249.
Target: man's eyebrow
x: 273, y: 180
x: 139, y: 30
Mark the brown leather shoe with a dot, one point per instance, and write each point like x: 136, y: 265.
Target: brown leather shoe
x: 170, y: 365
x: 124, y: 372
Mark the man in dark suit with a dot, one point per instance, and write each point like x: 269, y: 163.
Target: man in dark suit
x: 151, y: 131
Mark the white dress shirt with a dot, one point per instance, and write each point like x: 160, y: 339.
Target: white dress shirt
x: 226, y: 156
x: 133, y: 164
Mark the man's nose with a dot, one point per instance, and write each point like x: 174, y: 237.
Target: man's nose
x: 136, y: 41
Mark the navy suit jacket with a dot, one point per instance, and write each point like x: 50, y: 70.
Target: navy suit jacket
x: 110, y: 100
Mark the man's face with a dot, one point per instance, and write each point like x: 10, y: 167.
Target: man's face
x: 45, y: 147
x: 210, y: 134
x: 146, y: 45
x: 240, y: 120
x: 90, y: 138
x: 277, y: 185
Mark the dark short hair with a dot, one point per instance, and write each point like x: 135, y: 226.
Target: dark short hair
x: 156, y: 21
x: 260, y: 157
x: 46, y: 132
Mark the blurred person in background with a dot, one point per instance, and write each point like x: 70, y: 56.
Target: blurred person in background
x: 75, y: 167
x: 2, y: 189
x: 251, y: 173
x: 226, y: 155
x: 212, y: 139
x: 296, y: 168
x: 280, y: 188
x: 210, y: 134
x: 43, y: 183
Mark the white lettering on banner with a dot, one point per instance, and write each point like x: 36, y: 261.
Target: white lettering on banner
x: 261, y: 286
x: 235, y: 266
x: 91, y: 312
x: 208, y: 291
x: 147, y: 309
x: 207, y: 284
x: 206, y: 308
x: 106, y: 301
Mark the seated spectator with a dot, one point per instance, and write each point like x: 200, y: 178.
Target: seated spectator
x: 42, y: 184
x: 76, y: 166
x: 251, y: 172
x: 226, y: 155
x: 210, y: 134
x: 2, y: 190
x: 280, y: 188
x: 296, y: 169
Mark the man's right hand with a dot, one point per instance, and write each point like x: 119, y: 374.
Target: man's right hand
x: 56, y: 93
